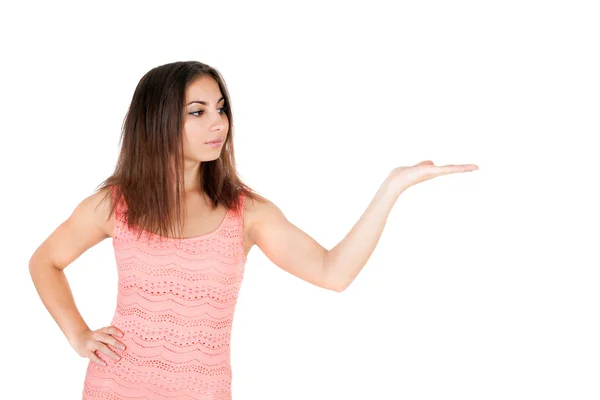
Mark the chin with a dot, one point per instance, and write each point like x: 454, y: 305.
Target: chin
x: 201, y: 159
x: 210, y: 157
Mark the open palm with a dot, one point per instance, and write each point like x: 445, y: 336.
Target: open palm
x: 406, y: 177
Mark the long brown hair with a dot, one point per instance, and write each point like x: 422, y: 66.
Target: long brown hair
x: 150, y: 162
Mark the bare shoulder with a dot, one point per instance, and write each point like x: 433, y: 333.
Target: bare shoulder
x: 100, y: 204
x: 94, y: 211
x: 87, y: 225
x: 286, y: 245
x: 256, y: 212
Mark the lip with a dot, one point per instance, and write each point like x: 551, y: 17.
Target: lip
x: 215, y: 141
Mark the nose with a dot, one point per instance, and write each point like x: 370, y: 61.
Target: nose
x: 217, y: 128
x: 218, y: 124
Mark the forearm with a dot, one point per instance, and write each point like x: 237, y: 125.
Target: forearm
x: 344, y: 262
x: 55, y: 293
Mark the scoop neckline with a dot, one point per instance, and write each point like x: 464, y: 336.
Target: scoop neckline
x: 204, y: 235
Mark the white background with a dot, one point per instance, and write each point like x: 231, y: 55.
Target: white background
x: 483, y: 285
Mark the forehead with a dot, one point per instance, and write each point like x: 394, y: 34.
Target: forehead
x: 204, y: 88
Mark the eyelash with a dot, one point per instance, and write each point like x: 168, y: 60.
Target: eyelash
x: 201, y: 111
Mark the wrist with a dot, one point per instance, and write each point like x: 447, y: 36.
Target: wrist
x: 73, y: 336
x: 393, y: 188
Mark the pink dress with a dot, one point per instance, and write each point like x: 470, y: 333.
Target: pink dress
x: 175, y: 304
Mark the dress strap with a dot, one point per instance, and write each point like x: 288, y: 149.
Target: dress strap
x: 240, y: 211
x: 119, y: 212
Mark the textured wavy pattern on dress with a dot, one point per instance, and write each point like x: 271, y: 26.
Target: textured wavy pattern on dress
x: 175, y: 303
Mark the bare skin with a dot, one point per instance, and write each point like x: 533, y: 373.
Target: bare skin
x: 264, y: 225
x: 88, y: 225
x: 201, y: 123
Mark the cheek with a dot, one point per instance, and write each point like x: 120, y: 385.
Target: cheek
x: 192, y: 144
x: 192, y: 135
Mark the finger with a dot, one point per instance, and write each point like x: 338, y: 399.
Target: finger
x: 101, y: 347
x: 426, y: 162
x: 109, y: 339
x: 452, y: 168
x: 100, y: 336
x: 96, y: 359
x: 111, y: 330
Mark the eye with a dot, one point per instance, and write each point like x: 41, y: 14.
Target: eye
x: 201, y: 111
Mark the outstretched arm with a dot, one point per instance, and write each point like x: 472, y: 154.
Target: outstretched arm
x: 296, y: 252
x: 343, y: 263
x: 286, y: 245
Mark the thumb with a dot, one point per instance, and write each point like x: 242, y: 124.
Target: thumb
x: 426, y: 162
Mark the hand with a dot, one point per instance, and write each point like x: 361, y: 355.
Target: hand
x: 404, y: 177
x: 88, y: 342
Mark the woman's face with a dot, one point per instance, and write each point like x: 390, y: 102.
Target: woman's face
x: 204, y: 120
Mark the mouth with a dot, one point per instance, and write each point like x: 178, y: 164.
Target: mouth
x: 218, y: 141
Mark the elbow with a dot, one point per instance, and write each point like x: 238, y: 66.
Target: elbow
x: 333, y: 282
x: 339, y: 286
x: 34, y: 269
x: 338, y: 289
x: 39, y: 266
x: 32, y: 264
x: 332, y: 285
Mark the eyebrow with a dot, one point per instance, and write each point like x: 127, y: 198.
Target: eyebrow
x: 201, y: 102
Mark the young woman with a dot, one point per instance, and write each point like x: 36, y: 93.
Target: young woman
x: 182, y: 224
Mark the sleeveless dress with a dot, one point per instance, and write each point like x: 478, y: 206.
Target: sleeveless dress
x: 175, y: 305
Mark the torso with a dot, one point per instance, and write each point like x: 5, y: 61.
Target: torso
x: 201, y: 219
x: 175, y: 305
